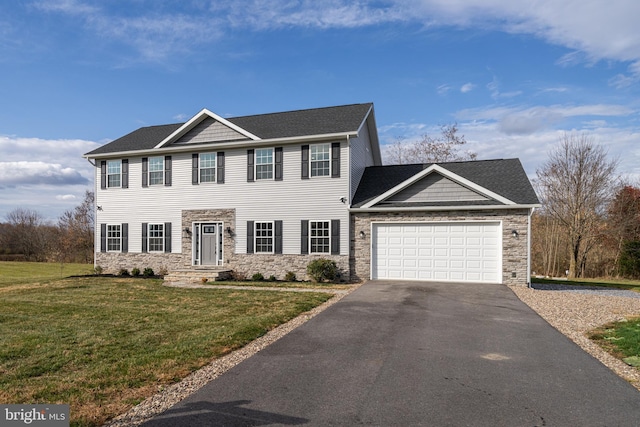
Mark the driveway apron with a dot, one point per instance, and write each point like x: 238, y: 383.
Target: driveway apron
x: 416, y: 353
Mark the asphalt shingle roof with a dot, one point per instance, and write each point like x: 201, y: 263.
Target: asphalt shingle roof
x: 505, y: 177
x: 317, y: 121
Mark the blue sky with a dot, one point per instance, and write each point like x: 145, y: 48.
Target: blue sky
x: 515, y: 76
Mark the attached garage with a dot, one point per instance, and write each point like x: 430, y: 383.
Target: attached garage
x: 449, y: 251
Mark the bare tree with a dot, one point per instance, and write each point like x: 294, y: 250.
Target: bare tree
x: 623, y: 219
x: 28, y: 233
x: 577, y: 182
x: 76, y: 231
x: 429, y: 149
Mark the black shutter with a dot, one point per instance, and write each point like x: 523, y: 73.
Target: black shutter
x: 220, y: 171
x: 103, y: 174
x: 125, y: 173
x: 305, y: 162
x: 167, y: 171
x: 335, y: 160
x: 167, y: 237
x: 145, y: 240
x: 304, y: 237
x: 124, y: 234
x: 103, y: 237
x: 277, y: 247
x: 145, y: 172
x: 250, y: 160
x: 335, y: 237
x: 278, y: 162
x: 194, y: 169
x: 249, y: 237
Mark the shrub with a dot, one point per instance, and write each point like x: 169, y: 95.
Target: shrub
x: 238, y: 276
x: 272, y: 278
x: 322, y: 269
x: 290, y: 276
x: 123, y: 272
x: 257, y: 277
x: 148, y: 272
x: 135, y: 272
x: 98, y: 270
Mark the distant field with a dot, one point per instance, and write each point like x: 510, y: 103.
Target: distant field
x: 103, y: 344
x: 12, y: 273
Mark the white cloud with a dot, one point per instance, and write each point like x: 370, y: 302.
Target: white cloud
x: 14, y: 174
x: 467, y: 87
x: 66, y: 197
x: 594, y: 30
x: 525, y: 121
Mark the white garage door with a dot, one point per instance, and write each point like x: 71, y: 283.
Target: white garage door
x: 454, y: 252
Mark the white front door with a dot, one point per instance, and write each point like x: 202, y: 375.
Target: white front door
x: 208, y: 244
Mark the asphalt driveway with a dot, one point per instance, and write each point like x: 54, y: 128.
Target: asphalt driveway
x: 409, y: 353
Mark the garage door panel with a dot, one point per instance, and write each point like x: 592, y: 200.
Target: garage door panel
x: 446, y: 252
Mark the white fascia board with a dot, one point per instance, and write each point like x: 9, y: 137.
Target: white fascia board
x: 442, y: 171
x: 442, y: 208
x: 195, y: 120
x: 225, y: 145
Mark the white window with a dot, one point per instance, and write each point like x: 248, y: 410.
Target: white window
x: 264, y: 237
x: 114, y: 238
x: 114, y: 168
x: 208, y: 167
x: 320, y: 237
x: 264, y: 163
x: 156, y: 170
x: 156, y: 237
x: 320, y: 159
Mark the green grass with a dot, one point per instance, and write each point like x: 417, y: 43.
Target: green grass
x: 278, y: 284
x: 104, y: 344
x: 632, y: 285
x: 13, y: 273
x: 621, y: 339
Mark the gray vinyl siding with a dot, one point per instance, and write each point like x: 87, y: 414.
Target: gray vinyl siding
x: 210, y: 130
x: 436, y: 188
x: 361, y: 157
x: 289, y: 200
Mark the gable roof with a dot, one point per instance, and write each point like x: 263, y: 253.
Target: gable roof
x: 290, y: 124
x: 503, y: 182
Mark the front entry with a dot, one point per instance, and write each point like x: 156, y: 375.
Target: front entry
x: 207, y: 244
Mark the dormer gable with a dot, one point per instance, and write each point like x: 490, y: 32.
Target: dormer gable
x: 206, y: 127
x: 436, y: 184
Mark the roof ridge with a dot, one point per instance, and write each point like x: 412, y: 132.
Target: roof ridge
x: 300, y: 110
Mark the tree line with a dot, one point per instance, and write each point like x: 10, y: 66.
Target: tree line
x: 27, y: 235
x: 588, y: 225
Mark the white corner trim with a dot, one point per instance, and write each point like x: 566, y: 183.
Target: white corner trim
x: 195, y: 120
x: 439, y: 169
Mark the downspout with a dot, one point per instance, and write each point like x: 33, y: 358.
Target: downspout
x: 529, y: 247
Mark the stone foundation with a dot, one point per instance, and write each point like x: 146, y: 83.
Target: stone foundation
x: 278, y: 265
x: 161, y: 263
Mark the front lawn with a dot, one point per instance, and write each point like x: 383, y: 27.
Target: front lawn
x: 13, y: 273
x: 621, y: 339
x: 102, y: 345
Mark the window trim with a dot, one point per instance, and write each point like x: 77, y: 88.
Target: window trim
x: 161, y: 237
x: 111, y: 239
x: 328, y: 160
x: 328, y: 237
x: 272, y: 164
x: 119, y: 174
x: 214, y: 168
x: 272, y: 237
x: 160, y: 171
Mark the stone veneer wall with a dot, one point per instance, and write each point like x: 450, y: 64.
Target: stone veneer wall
x: 279, y: 264
x: 514, y: 250
x: 161, y: 263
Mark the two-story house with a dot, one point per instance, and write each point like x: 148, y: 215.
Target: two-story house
x: 268, y: 193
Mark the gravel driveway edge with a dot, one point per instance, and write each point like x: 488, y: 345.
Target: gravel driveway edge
x: 574, y: 315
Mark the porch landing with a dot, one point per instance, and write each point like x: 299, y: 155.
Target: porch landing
x: 198, y: 274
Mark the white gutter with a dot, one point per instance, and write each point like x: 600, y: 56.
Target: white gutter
x: 442, y: 208
x: 180, y: 148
